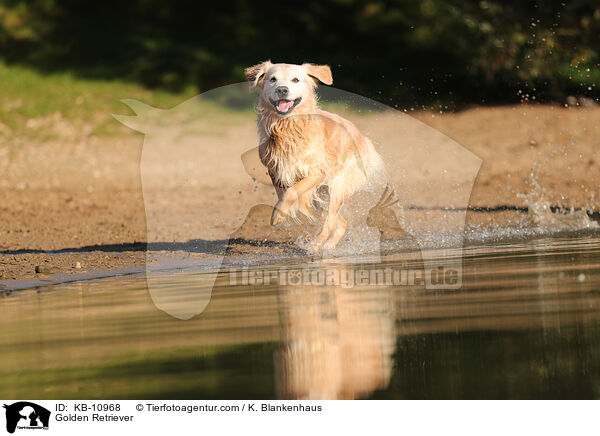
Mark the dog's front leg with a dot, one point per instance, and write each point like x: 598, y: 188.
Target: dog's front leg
x: 279, y: 188
x: 282, y: 209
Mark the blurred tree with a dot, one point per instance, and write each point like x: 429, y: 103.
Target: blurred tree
x: 400, y: 52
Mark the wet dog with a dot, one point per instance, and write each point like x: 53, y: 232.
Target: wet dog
x: 305, y: 148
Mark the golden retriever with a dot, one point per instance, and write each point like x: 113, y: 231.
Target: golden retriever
x: 304, y: 147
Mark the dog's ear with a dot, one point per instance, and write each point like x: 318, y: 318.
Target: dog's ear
x: 321, y: 73
x: 255, y: 73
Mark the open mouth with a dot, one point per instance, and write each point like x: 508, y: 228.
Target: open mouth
x: 285, y: 106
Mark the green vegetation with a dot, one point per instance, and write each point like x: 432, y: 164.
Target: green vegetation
x: 31, y: 101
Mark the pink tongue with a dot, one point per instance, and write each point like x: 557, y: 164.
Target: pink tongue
x: 284, y: 106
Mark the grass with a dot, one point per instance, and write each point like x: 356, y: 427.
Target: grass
x: 29, y: 98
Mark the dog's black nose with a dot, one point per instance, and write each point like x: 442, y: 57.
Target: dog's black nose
x: 282, y: 91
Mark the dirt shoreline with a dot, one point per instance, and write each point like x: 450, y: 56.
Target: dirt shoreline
x: 77, y: 207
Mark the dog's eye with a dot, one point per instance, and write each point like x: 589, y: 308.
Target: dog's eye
x: 273, y: 79
x: 295, y: 80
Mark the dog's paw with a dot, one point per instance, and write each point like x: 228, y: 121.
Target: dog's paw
x: 314, y: 247
x: 278, y: 216
x: 329, y: 245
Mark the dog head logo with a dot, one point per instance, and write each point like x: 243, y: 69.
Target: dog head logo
x: 206, y: 189
x: 26, y: 415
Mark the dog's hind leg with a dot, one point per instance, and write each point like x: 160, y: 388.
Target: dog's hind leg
x: 339, y: 231
x: 282, y: 209
x: 305, y: 203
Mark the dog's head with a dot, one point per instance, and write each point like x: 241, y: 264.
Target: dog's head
x: 287, y: 88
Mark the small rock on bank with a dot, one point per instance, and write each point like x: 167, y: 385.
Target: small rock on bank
x: 40, y: 269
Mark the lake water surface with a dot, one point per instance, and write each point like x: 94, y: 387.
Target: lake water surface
x: 524, y: 324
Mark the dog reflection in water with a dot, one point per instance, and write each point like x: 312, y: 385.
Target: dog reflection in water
x: 338, y: 343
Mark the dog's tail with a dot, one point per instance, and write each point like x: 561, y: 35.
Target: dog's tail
x: 375, y: 169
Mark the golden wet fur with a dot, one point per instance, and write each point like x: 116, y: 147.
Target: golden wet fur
x: 306, y: 147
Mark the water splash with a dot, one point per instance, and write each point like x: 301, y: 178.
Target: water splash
x: 541, y: 213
